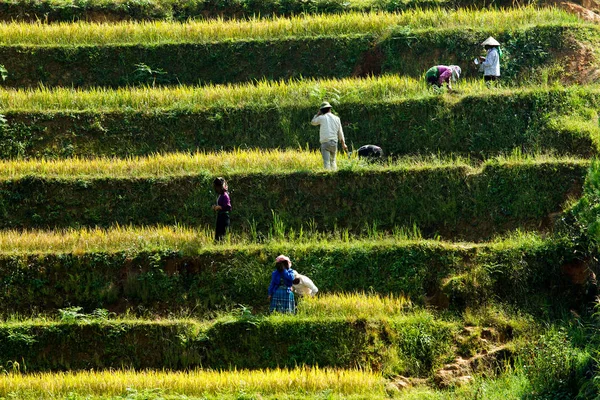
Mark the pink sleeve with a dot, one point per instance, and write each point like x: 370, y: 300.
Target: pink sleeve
x: 445, y: 76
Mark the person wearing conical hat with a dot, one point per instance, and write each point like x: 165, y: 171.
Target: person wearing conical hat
x: 330, y: 132
x: 490, y: 64
x: 442, y: 74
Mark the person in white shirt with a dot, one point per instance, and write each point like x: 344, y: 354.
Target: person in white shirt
x: 303, y: 285
x: 490, y: 64
x: 330, y: 131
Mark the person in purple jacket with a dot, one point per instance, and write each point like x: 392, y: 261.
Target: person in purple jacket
x: 223, y: 207
x: 442, y: 74
x: 281, y: 297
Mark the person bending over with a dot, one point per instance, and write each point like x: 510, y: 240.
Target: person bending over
x: 441, y: 75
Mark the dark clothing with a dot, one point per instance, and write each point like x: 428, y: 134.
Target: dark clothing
x: 224, y: 201
x: 223, y: 223
x: 370, y: 151
x: 432, y: 80
x: 488, y: 78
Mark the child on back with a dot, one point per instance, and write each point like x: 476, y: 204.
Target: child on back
x: 223, y: 207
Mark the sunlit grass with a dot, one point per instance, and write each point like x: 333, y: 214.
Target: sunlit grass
x: 80, y: 33
x: 194, y: 383
x: 353, y: 305
x: 305, y: 92
x: 192, y: 241
x: 230, y: 163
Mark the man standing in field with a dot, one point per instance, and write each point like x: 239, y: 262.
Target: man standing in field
x: 330, y: 132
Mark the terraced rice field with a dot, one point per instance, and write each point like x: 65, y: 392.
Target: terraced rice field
x: 459, y: 266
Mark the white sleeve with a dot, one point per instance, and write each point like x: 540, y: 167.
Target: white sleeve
x: 490, y: 59
x: 340, y: 133
x: 316, y: 120
x: 310, y: 285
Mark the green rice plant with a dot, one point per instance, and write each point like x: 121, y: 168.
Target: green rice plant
x: 81, y: 33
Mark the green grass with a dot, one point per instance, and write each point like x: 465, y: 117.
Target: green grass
x: 80, y: 33
x: 387, y: 343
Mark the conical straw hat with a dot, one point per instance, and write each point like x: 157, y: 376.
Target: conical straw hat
x: 490, y: 42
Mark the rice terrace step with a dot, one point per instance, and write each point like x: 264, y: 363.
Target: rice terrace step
x: 461, y: 265
x: 164, y: 53
x: 164, y: 270
x: 453, y: 201
x: 402, y: 113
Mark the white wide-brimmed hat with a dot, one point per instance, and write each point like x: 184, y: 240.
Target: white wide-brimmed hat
x: 490, y: 42
x: 456, y: 71
x: 325, y: 104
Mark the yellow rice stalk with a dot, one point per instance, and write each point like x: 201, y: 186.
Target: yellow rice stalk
x: 196, y: 382
x: 354, y: 304
x: 80, y: 33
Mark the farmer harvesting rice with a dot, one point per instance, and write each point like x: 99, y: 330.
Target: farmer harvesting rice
x: 490, y: 64
x: 304, y: 286
x: 280, y: 289
x: 370, y: 152
x: 441, y: 74
x: 330, y: 132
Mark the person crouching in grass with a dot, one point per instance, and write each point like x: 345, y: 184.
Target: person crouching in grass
x: 441, y: 74
x: 281, y: 297
x: 304, y: 286
x: 222, y: 208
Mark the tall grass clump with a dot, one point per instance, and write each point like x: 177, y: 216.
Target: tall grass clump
x: 81, y: 33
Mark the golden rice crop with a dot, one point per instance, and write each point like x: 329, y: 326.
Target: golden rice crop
x: 196, y: 382
x: 192, y: 241
x: 171, y: 164
x: 303, y: 93
x: 18, y: 33
x: 353, y: 305
x: 266, y: 93
x: 187, y: 240
x: 229, y: 163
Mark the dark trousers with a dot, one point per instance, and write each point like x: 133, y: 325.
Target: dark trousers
x: 433, y: 80
x: 222, y: 226
x: 488, y: 78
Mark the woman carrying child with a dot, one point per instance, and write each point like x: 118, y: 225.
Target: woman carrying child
x: 281, y: 296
